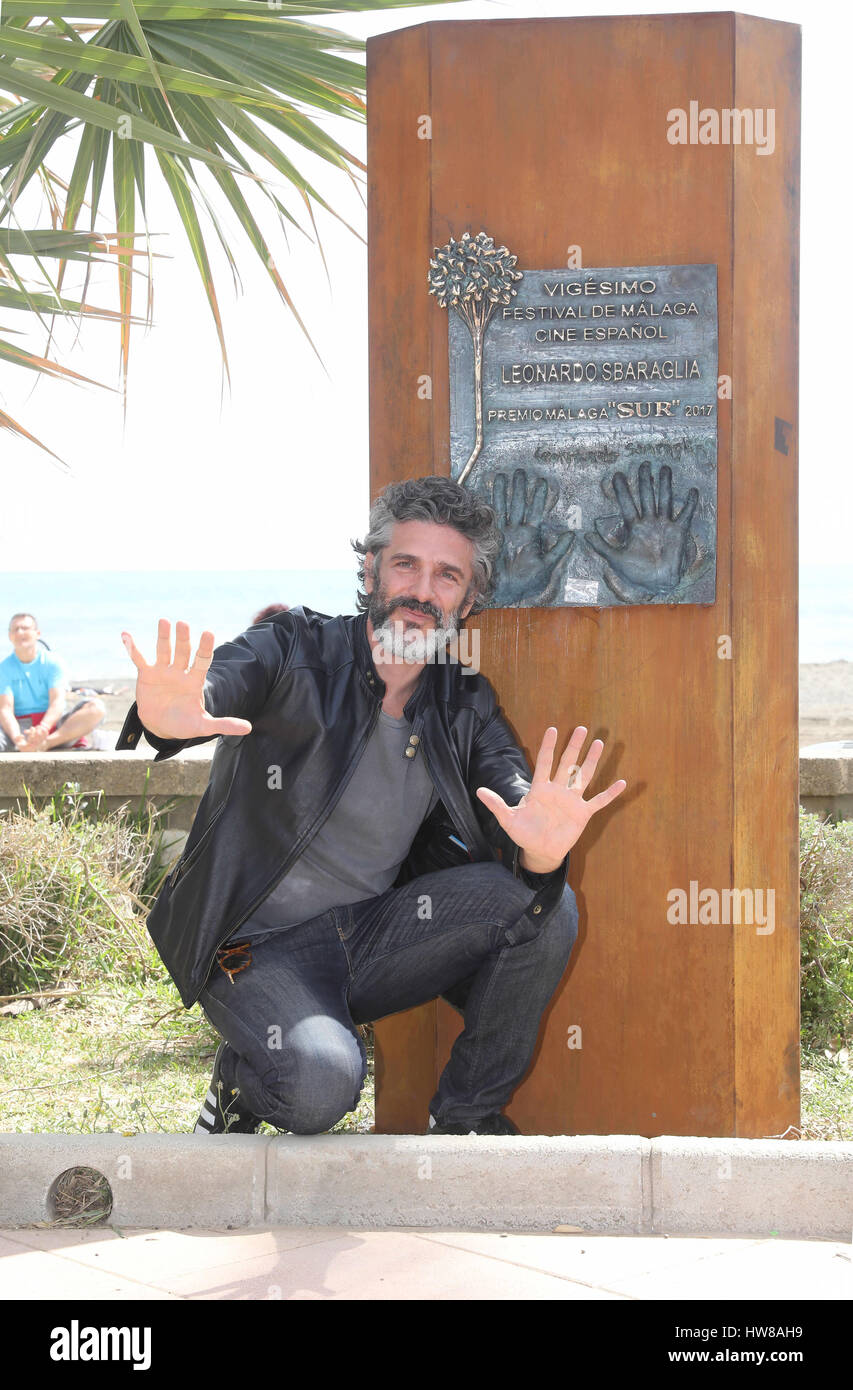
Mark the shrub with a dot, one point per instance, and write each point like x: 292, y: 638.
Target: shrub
x: 826, y: 931
x: 73, y: 879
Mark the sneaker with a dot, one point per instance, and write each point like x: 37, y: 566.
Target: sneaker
x: 222, y: 1112
x: 489, y: 1124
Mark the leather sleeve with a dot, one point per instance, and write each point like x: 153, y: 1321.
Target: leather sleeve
x: 240, y: 677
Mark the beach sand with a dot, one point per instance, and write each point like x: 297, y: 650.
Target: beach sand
x: 826, y: 701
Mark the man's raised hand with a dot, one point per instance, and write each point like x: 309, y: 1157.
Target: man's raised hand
x: 551, y: 817
x: 170, y: 694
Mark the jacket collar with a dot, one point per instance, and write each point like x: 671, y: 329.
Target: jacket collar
x: 371, y: 673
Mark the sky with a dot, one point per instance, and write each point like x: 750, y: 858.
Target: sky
x: 176, y: 485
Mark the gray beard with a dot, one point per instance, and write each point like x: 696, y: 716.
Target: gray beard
x: 411, y: 645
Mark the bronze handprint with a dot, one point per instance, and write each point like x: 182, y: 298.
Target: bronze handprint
x: 650, y: 550
x: 525, y: 565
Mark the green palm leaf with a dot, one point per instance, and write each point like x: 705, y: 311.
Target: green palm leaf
x: 37, y: 246
x: 228, y: 86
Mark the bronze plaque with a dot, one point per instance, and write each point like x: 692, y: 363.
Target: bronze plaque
x: 583, y: 406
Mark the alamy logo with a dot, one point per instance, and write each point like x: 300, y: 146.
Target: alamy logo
x: 712, y: 907
x: 76, y: 1343
x: 726, y: 127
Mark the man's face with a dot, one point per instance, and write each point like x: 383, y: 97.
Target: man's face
x: 422, y: 591
x: 23, y: 634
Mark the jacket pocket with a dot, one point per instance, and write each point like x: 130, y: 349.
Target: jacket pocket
x: 187, y: 860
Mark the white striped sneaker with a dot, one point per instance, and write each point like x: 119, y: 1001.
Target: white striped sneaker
x: 222, y: 1112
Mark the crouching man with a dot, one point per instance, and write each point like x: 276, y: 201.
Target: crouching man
x: 371, y: 837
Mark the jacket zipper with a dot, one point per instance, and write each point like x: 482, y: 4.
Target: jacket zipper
x: 437, y: 784
x: 184, y: 862
x: 464, y: 835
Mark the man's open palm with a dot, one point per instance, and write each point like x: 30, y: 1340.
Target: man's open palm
x: 170, y: 694
x: 553, y: 814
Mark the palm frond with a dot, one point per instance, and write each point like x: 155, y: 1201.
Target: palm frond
x: 233, y: 89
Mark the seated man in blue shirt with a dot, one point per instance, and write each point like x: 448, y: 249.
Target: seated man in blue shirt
x: 32, y: 697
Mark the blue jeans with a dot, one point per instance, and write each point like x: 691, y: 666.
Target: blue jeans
x: 290, y: 1014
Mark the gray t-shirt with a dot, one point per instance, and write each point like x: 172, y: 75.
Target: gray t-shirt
x: 358, y: 850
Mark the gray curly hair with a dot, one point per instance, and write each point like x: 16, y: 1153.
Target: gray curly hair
x: 447, y: 504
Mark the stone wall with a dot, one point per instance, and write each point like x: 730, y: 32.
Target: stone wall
x: 826, y: 778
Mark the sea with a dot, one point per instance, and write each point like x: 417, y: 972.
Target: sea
x: 81, y: 613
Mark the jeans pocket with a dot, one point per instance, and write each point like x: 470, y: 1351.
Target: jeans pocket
x: 524, y: 929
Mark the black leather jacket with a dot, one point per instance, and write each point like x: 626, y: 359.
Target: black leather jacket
x: 308, y: 685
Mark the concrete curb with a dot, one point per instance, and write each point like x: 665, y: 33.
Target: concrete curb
x: 616, y: 1183
x: 476, y: 1182
x: 156, y: 1179
x: 801, y: 1188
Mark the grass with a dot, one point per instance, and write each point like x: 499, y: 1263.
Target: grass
x: 113, y: 1057
x: 826, y: 1087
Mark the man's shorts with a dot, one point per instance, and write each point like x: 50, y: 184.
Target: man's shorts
x: 26, y: 720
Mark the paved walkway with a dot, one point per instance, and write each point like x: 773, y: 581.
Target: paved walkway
x: 413, y: 1263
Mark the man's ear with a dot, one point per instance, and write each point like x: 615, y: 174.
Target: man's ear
x: 466, y: 607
